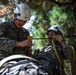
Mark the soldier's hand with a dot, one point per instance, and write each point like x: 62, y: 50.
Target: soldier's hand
x: 24, y: 43
x: 58, y: 38
x: 27, y: 43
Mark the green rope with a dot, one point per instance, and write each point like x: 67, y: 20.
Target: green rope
x: 56, y: 53
x: 73, y: 51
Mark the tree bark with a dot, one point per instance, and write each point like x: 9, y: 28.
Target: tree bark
x: 74, y: 9
x: 73, y: 66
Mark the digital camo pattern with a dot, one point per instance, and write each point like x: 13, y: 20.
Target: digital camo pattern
x: 48, y: 58
x: 9, y: 34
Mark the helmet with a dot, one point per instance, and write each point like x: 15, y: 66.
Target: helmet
x: 22, y: 12
x: 57, y: 29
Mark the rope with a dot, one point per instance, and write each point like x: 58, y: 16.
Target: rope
x: 56, y: 53
x: 73, y: 51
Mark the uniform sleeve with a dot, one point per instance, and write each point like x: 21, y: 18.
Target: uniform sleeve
x: 6, y: 44
x: 68, y: 52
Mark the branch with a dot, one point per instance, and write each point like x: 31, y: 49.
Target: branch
x: 3, y: 11
x: 61, y: 4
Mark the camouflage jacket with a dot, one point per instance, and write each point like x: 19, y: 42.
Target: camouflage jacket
x: 49, y: 60
x: 63, y: 53
x: 9, y: 34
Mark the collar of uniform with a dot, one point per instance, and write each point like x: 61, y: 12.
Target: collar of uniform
x: 14, y: 27
x: 13, y: 24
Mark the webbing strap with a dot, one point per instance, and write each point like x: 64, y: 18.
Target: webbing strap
x: 56, y: 53
x: 73, y: 52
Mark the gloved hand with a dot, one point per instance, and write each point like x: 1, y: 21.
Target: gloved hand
x: 58, y: 38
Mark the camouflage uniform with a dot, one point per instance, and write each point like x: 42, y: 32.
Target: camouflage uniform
x: 48, y: 58
x: 9, y: 34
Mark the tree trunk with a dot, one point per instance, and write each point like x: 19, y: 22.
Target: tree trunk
x: 74, y: 9
x: 73, y: 65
